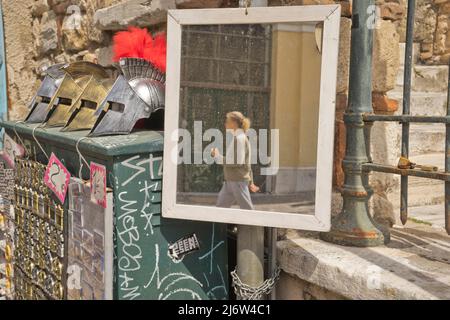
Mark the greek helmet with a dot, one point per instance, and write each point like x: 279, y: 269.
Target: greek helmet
x: 139, y: 91
x: 81, y: 113
x: 79, y: 76
x: 53, y: 78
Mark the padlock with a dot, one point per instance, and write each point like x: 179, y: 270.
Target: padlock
x: 9, y: 270
x: 28, y: 198
x: 48, y: 260
x: 52, y: 215
x: 41, y: 206
x: 2, y: 222
x: 31, y: 224
x: 47, y: 205
x: 28, y: 173
x: 58, y: 290
x: 59, y: 217
x: 42, y: 278
x: 53, y: 245
x: 42, y: 255
x: 36, y: 228
x: 29, y: 266
x: 49, y: 284
x: 57, y: 268
x: 8, y: 252
x: 19, y: 198
x: 29, y: 291
x: 61, y: 244
x: 16, y: 195
x: 35, y: 275
x: 35, y: 203
x: 47, y: 232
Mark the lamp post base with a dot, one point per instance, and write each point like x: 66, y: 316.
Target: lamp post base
x: 355, y: 227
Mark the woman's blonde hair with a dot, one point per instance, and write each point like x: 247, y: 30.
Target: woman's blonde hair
x: 242, y: 121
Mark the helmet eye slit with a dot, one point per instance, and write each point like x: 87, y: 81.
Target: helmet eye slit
x: 65, y: 101
x: 117, y: 107
x: 88, y: 104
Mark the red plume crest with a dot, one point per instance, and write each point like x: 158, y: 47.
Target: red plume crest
x: 138, y: 43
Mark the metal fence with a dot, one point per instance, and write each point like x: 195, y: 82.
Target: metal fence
x: 354, y: 226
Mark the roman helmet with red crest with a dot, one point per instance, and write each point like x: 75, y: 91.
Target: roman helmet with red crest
x: 139, y: 91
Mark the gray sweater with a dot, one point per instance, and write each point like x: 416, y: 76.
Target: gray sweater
x: 236, y: 165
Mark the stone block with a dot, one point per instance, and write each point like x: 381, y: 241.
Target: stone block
x: 105, y: 55
x: 392, y: 10
x: 425, y: 21
x: 142, y: 13
x: 292, y: 288
x: 382, y: 104
x: 413, y: 266
x: 47, y: 39
x: 75, y: 35
x: 442, y: 27
x: 346, y: 8
x: 386, y: 60
x: 193, y: 4
x: 39, y: 7
x: 344, y: 55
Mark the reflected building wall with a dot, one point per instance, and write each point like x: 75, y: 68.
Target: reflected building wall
x: 295, y: 93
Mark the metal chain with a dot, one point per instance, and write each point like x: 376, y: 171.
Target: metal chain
x: 246, y: 292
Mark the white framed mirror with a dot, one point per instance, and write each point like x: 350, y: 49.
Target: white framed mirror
x: 274, y: 67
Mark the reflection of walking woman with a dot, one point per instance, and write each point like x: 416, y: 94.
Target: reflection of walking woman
x: 238, y: 174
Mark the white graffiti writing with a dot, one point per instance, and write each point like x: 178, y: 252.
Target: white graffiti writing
x: 129, y: 236
x: 140, y: 168
x: 166, y: 282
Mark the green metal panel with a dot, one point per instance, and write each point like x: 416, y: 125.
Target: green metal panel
x: 3, y: 83
x: 143, y: 267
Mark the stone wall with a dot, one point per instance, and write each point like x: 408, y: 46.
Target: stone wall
x: 19, y: 55
x: 39, y: 33
x: 432, y: 31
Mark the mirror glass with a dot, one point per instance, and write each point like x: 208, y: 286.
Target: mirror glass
x: 249, y: 113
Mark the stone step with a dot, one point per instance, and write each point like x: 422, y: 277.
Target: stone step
x: 423, y: 103
x: 420, y: 195
x: 432, y: 214
x: 416, y: 52
x: 425, y: 79
x: 426, y: 138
